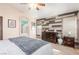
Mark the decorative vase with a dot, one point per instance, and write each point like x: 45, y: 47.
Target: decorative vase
x: 60, y: 41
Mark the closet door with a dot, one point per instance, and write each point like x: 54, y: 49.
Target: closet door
x: 69, y: 26
x: 1, y: 28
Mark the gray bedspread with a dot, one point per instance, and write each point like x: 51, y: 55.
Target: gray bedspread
x: 28, y: 45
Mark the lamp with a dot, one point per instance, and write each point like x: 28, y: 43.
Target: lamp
x: 60, y: 40
x: 69, y: 33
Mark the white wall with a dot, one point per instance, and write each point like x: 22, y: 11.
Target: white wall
x: 9, y: 12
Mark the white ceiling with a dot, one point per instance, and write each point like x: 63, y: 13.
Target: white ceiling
x: 51, y: 9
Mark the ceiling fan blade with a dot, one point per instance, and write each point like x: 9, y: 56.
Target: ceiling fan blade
x: 37, y: 8
x: 41, y: 4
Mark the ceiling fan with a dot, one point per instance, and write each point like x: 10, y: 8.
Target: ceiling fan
x: 40, y: 5
x: 37, y: 6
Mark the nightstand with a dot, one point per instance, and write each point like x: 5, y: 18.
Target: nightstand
x: 68, y: 41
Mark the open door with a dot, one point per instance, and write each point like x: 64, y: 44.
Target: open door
x: 24, y: 27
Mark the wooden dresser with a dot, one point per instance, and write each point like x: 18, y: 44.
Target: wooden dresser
x: 52, y: 37
x: 68, y: 41
x: 49, y: 36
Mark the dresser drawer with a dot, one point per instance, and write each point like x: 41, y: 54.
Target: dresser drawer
x: 68, y: 41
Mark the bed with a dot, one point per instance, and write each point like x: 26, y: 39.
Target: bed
x: 25, y: 46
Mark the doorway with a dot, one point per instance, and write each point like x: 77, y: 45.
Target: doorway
x: 1, y: 28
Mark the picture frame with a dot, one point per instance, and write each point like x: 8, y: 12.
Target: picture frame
x: 11, y: 23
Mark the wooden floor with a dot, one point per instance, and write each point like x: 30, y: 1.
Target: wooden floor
x: 64, y: 50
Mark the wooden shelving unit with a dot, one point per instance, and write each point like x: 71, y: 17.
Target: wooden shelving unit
x: 56, y: 24
x: 51, y: 24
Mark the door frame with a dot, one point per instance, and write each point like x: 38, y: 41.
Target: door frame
x: 1, y: 27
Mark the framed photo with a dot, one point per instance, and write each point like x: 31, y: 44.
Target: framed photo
x: 11, y: 23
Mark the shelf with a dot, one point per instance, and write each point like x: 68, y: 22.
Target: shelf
x: 59, y: 30
x: 57, y: 26
x: 58, y: 22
